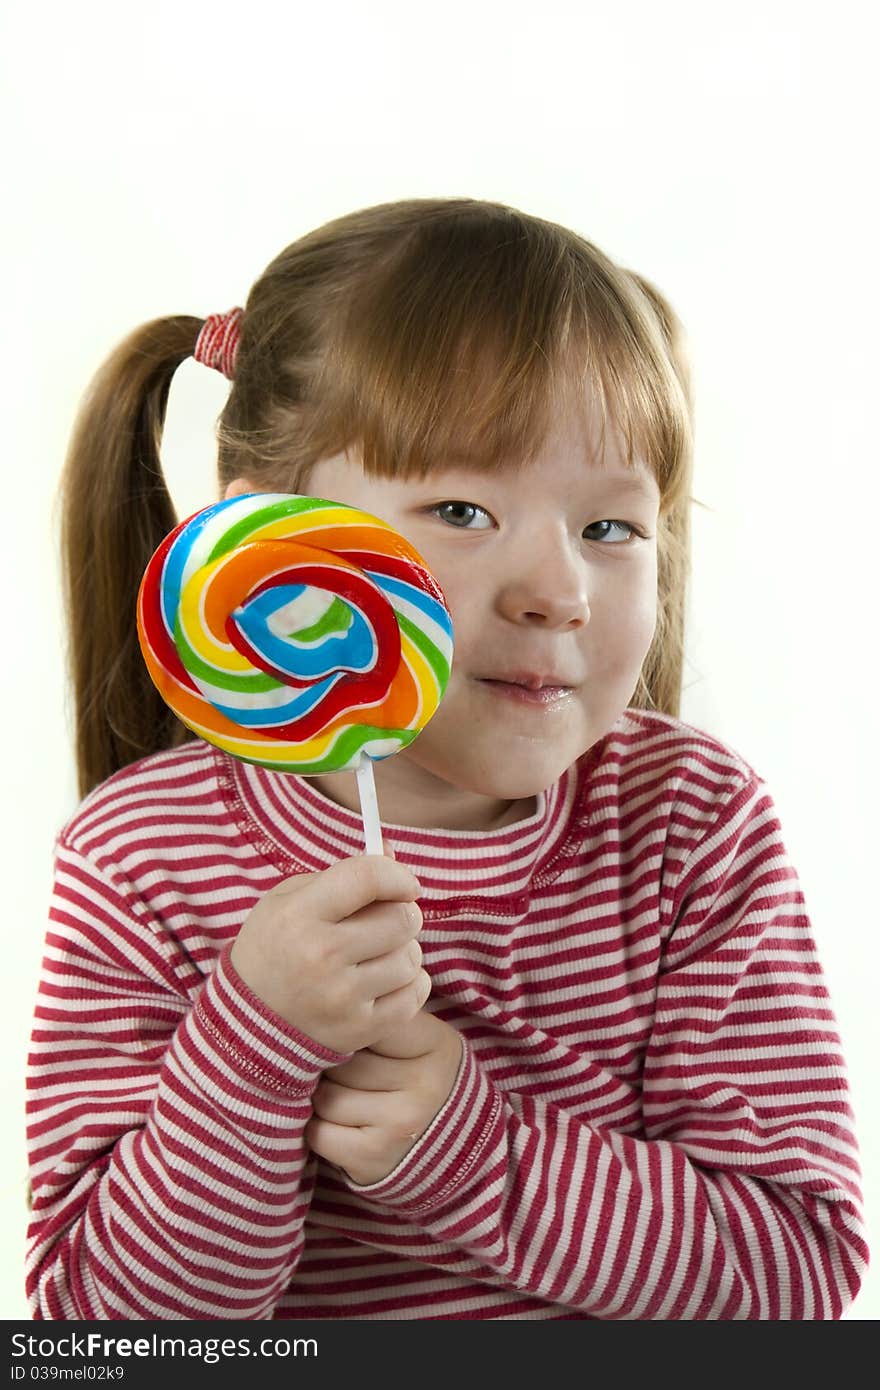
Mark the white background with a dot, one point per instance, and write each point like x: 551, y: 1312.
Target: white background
x: 158, y: 156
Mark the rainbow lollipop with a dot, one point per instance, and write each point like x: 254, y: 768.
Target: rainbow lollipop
x: 298, y: 634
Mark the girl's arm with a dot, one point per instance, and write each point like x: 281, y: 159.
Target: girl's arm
x: 740, y: 1197
x: 165, y: 1119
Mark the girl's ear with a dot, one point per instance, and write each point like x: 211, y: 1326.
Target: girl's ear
x: 237, y: 487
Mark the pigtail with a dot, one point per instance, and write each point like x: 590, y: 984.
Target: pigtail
x: 115, y: 510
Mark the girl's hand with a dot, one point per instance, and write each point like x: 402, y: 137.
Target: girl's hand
x: 370, y: 1111
x: 335, y: 953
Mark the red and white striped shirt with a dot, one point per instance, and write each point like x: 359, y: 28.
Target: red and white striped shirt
x: 651, y: 1119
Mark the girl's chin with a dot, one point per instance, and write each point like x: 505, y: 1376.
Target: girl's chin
x: 512, y: 780
x: 516, y: 787
x: 513, y: 755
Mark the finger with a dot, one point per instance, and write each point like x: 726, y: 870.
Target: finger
x: 396, y: 1007
x: 343, y: 1105
x: 374, y: 931
x: 385, y: 974
x: 346, y: 1146
x: 366, y: 1071
x: 415, y: 1039
x: 351, y: 884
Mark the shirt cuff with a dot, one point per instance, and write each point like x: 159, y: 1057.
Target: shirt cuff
x: 257, y: 1042
x: 446, y: 1161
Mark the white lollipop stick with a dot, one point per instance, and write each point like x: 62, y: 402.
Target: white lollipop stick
x: 369, y: 806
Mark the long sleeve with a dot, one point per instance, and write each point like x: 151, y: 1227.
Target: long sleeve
x: 165, y: 1117
x: 738, y: 1198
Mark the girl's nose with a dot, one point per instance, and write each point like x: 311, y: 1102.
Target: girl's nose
x: 548, y: 588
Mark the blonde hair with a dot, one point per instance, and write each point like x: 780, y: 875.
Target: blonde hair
x: 411, y: 332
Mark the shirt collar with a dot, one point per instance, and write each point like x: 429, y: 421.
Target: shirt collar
x: 303, y: 830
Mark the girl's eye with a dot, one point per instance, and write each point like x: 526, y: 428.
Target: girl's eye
x: 464, y: 515
x: 621, y: 525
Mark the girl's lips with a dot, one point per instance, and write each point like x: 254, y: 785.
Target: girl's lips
x: 544, y: 696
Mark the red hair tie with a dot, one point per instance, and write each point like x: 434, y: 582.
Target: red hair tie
x: 217, y: 342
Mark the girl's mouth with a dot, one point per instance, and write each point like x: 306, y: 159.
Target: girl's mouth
x: 542, y: 696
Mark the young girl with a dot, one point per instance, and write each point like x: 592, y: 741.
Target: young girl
x: 568, y: 1054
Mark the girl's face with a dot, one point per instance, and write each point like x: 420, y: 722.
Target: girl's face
x: 550, y: 573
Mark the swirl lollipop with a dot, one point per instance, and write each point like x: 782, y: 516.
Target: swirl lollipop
x: 297, y: 634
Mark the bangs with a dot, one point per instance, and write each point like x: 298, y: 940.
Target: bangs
x: 468, y: 341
